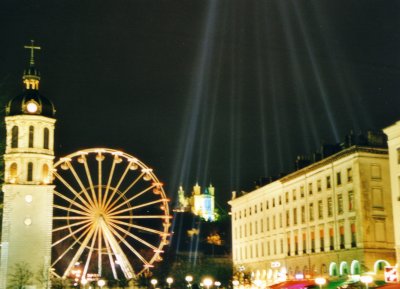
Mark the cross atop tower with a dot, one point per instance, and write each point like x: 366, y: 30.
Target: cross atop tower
x: 32, y: 47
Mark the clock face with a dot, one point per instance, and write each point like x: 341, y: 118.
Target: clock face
x: 31, y: 107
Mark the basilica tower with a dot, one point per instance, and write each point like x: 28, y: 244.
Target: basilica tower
x: 28, y: 189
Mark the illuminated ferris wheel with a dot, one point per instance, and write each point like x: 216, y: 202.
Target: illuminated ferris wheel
x: 111, y: 215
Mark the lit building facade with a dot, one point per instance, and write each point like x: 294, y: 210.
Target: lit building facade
x: 332, y: 218
x: 393, y: 133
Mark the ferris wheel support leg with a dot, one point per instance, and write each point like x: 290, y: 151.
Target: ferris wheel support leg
x: 119, y: 254
x: 111, y: 258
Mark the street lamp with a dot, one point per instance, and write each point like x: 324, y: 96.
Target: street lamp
x: 208, y: 282
x: 320, y: 281
x: 170, y: 280
x: 366, y: 279
x: 101, y: 283
x: 258, y: 283
x: 189, y: 279
x: 217, y: 284
x: 153, y: 282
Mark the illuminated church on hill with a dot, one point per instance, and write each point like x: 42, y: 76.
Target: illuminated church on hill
x: 200, y: 203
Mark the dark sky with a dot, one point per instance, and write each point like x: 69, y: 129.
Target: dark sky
x: 219, y: 91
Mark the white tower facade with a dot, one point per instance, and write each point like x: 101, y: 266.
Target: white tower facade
x: 28, y: 189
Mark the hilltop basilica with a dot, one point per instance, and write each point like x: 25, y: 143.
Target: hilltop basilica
x: 200, y: 204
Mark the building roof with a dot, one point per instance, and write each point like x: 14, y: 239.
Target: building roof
x: 337, y: 156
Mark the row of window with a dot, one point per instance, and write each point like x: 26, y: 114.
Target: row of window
x: 325, y: 208
x: 376, y: 174
x: 15, y: 137
x: 311, y: 187
x: 300, y: 243
x: 29, y: 176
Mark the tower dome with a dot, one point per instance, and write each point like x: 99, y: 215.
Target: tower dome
x: 30, y: 102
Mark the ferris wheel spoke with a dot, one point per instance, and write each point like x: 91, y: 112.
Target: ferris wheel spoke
x: 116, y: 160
x: 72, y: 233
x: 72, y: 202
x: 133, y: 250
x: 89, y: 177
x: 79, y: 251
x: 70, y: 210
x: 79, y: 181
x: 70, y: 247
x: 72, y: 190
x: 70, y: 226
x: 112, y: 212
x: 107, y: 205
x: 99, y: 159
x: 91, y: 248
x: 133, y: 236
x: 138, y: 227
x: 128, y: 200
x: 54, y: 274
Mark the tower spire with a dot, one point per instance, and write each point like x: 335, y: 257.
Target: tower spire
x: 32, y: 47
x: 31, y: 75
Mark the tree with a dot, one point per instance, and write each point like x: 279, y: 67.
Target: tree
x: 21, y: 275
x: 59, y: 283
x: 42, y: 276
x: 123, y: 282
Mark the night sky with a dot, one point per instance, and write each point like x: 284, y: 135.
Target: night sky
x: 207, y: 90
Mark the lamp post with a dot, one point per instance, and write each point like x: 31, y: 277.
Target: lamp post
x: 154, y: 283
x: 366, y: 280
x: 208, y: 282
x: 170, y: 280
x: 320, y: 281
x: 258, y: 283
x: 217, y: 284
x: 189, y: 279
x: 84, y: 282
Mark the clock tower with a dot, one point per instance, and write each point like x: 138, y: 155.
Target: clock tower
x: 28, y: 189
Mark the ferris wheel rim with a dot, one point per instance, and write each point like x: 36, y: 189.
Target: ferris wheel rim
x: 114, y: 228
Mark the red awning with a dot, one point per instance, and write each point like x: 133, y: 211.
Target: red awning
x: 298, y: 284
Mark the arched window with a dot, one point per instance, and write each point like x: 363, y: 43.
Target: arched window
x: 14, y: 137
x: 343, y: 269
x: 45, y: 173
x: 355, y: 268
x: 46, y: 138
x: 333, y: 269
x: 379, y: 266
x: 31, y: 133
x: 13, y: 172
x: 30, y: 172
